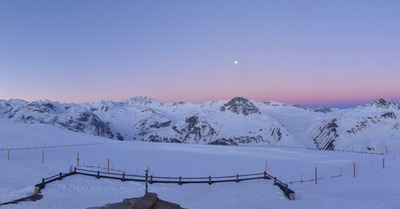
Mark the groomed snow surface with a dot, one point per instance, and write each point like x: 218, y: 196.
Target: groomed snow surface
x: 373, y: 187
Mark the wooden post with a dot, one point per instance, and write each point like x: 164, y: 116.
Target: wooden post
x: 354, y: 169
x: 151, y: 179
x: 316, y: 175
x: 123, y: 177
x: 274, y: 180
x: 60, y: 176
x: 209, y: 180
x: 8, y: 154
x: 77, y: 160
x: 98, y: 175
x: 286, y: 189
x: 180, y: 180
x: 42, y: 183
x: 383, y: 162
x: 265, y: 174
x: 237, y: 177
x: 75, y: 170
x: 108, y: 165
x: 43, y: 157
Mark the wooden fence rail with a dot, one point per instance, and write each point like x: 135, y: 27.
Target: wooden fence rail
x: 54, y: 146
x: 176, y: 180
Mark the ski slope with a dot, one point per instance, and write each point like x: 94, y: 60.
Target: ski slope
x: 373, y: 186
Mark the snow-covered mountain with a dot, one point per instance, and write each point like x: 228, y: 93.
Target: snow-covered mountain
x: 236, y: 122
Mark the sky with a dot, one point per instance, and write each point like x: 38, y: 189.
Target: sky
x: 314, y: 53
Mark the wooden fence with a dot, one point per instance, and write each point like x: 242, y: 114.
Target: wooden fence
x: 47, y: 147
x: 290, y: 194
x: 334, y: 150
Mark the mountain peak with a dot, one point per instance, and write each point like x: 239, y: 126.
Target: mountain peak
x: 384, y: 103
x: 240, y: 105
x: 142, y: 100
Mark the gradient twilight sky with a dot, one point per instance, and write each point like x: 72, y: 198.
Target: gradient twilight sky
x: 308, y: 52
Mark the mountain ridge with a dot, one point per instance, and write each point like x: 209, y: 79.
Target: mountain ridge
x: 239, y: 121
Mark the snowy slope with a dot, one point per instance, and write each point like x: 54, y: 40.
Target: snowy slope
x: 374, y: 187
x: 236, y: 122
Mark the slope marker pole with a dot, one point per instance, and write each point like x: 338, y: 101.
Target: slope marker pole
x: 316, y: 175
x: 77, y: 160
x: 108, y: 165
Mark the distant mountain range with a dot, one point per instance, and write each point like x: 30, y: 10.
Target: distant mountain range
x: 236, y: 122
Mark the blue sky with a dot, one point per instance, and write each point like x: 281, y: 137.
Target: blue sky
x: 313, y: 53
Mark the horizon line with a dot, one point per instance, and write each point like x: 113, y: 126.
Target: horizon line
x: 310, y: 105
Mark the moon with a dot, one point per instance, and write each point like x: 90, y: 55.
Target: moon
x: 235, y: 62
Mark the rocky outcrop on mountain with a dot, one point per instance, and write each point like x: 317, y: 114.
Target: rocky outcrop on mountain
x: 383, y: 103
x: 323, y: 110
x: 235, y: 122
x: 195, y: 130
x: 325, y: 139
x: 240, y: 105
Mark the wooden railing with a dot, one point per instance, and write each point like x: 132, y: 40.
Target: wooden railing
x: 160, y: 179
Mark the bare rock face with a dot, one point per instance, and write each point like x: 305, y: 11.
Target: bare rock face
x: 240, y: 105
x: 384, y: 103
x: 326, y: 136
x: 323, y: 110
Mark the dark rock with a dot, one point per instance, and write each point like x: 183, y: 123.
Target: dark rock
x: 385, y: 104
x: 390, y: 115
x: 223, y: 141
x: 240, y: 105
x: 323, y: 110
x: 327, y: 135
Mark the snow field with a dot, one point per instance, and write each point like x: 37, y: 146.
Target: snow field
x: 373, y: 187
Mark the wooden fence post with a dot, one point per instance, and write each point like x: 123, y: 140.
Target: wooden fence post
x: 98, y: 175
x: 77, y: 160
x: 237, y: 178
x: 151, y: 179
x: 286, y: 189
x: 42, y: 183
x: 43, y: 157
x: 60, y: 176
x: 108, y: 165
x: 209, y: 180
x: 123, y: 176
x: 354, y: 169
x: 274, y: 180
x: 8, y: 154
x: 74, y: 170
x: 383, y: 162
x: 265, y: 174
x: 316, y: 175
x: 180, y: 180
